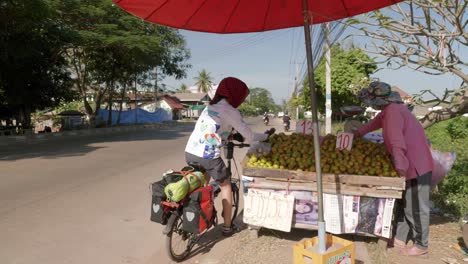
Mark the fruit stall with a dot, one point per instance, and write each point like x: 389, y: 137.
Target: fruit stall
x: 359, y: 183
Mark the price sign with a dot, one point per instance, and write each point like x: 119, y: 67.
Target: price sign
x: 344, y: 141
x: 305, y: 127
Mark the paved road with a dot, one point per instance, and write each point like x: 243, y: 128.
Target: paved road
x: 86, y: 199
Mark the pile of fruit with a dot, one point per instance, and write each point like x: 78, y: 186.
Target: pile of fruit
x: 296, y: 152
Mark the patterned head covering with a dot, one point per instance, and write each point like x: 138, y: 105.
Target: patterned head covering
x: 379, y: 93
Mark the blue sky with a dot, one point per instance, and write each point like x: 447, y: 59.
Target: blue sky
x: 268, y: 60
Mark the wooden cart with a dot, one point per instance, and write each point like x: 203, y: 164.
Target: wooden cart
x: 357, y: 185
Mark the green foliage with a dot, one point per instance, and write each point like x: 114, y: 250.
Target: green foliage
x: 458, y: 128
x: 203, y: 81
x: 73, y: 105
x: 258, y: 102
x: 247, y: 109
x: 452, y: 193
x: 112, y: 48
x: 349, y: 68
x: 33, y: 70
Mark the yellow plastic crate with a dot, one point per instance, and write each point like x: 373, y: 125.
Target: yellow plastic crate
x: 339, y: 251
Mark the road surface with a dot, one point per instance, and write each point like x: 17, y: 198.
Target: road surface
x: 75, y: 200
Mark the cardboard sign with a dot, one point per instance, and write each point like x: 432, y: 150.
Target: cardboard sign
x: 269, y: 209
x: 344, y: 141
x: 305, y: 126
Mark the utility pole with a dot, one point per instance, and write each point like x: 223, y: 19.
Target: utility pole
x: 155, y: 88
x: 328, y: 109
x: 296, y: 90
x: 136, y: 102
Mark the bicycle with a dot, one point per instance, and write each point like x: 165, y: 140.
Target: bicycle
x: 174, y: 225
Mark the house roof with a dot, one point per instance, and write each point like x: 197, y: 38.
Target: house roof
x: 402, y: 93
x: 195, y: 97
x: 173, y: 102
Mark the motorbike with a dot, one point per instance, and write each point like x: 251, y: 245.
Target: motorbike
x: 266, y: 120
x: 286, y: 126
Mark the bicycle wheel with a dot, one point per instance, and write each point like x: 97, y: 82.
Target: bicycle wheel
x: 178, y: 241
x: 235, y: 198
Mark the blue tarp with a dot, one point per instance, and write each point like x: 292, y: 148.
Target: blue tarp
x: 142, y: 116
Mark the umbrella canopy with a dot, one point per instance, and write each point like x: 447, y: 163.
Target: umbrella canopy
x: 223, y: 16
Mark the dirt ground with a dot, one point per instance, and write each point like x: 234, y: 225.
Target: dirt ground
x: 276, y: 247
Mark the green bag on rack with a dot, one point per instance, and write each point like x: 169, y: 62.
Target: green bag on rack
x: 191, y: 181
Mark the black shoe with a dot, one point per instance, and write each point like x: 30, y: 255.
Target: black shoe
x: 229, y: 230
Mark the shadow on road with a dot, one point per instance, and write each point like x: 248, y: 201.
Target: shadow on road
x: 69, y: 146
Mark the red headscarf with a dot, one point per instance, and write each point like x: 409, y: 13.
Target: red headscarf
x: 234, y: 90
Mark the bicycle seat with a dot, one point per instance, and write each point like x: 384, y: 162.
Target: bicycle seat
x: 197, y: 166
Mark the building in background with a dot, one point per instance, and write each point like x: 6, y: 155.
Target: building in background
x: 407, y: 99
x: 194, y: 103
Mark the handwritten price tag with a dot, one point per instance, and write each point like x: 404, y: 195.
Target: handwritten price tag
x: 344, y: 141
x: 305, y: 127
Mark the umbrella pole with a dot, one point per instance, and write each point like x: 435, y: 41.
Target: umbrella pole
x: 313, y: 100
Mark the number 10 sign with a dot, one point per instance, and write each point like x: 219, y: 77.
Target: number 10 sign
x: 344, y: 141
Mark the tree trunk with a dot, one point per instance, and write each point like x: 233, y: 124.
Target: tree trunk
x: 25, y: 117
x: 87, y: 106
x: 122, y: 97
x: 109, y: 102
x: 99, y: 94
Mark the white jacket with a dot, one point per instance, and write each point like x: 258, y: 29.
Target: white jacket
x: 214, y: 126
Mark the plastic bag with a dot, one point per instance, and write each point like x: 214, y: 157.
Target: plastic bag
x: 176, y: 191
x: 443, y: 162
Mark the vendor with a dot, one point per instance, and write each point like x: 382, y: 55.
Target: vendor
x: 405, y: 140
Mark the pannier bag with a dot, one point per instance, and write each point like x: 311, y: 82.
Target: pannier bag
x: 159, y: 212
x: 198, y: 213
x: 191, y: 180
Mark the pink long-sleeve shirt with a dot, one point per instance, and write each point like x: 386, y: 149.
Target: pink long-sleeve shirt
x: 404, y: 138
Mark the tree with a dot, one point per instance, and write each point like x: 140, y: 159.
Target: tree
x: 115, y: 48
x: 183, y: 88
x: 258, y: 102
x: 348, y: 70
x: 32, y: 66
x: 203, y: 81
x: 426, y: 36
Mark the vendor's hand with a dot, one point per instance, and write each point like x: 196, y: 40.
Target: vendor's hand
x: 355, y: 132
x: 270, y: 131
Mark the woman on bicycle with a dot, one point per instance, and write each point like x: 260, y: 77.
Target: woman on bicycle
x: 212, y: 130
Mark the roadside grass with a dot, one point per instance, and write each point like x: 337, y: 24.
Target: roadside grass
x: 451, y: 196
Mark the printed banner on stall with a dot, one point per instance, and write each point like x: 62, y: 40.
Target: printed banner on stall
x: 342, y: 213
x: 269, y: 209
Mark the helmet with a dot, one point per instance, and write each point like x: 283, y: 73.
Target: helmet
x: 234, y: 90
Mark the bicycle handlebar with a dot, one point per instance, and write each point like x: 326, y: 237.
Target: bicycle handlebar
x: 240, y: 145
x: 230, y: 148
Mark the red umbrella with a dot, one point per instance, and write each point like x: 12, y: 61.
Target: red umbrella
x: 241, y: 16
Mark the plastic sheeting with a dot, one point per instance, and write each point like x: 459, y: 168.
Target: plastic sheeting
x: 141, y: 116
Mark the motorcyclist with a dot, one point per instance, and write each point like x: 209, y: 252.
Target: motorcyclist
x: 287, y: 120
x: 266, y: 119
